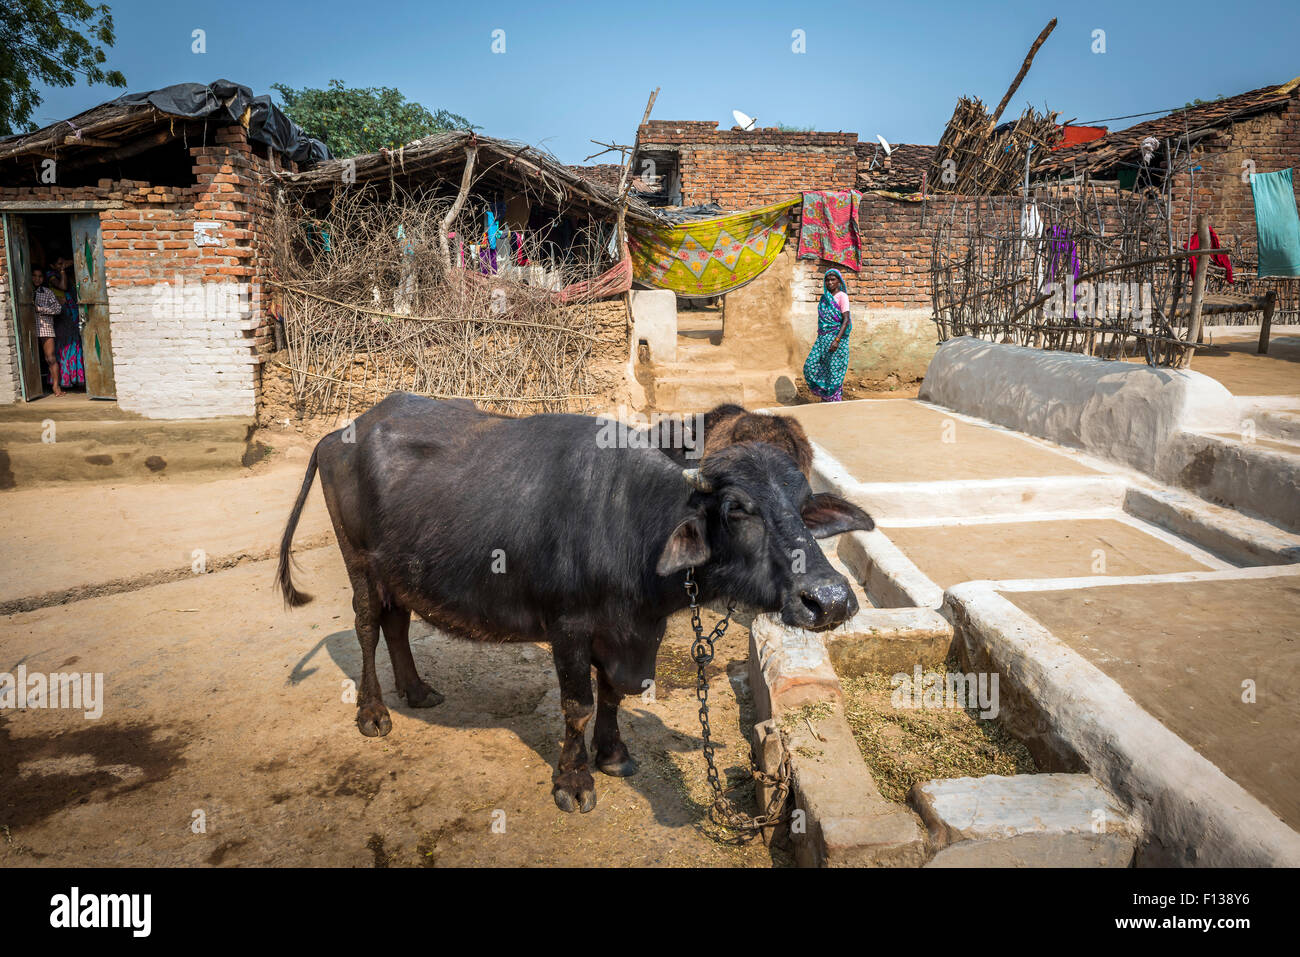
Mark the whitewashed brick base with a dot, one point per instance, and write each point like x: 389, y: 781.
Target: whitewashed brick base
x: 10, y: 389
x: 183, y: 351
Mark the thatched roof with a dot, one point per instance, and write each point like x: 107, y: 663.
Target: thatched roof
x: 1123, y: 147
x: 441, y: 158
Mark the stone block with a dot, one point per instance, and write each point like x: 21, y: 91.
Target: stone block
x: 654, y: 321
x: 1028, y: 820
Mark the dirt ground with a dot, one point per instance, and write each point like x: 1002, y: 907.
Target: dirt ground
x: 222, y: 708
x: 1235, y: 362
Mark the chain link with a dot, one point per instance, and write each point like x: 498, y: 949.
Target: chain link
x: 724, y: 812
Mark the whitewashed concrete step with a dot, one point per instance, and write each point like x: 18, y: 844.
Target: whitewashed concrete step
x: 1029, y: 820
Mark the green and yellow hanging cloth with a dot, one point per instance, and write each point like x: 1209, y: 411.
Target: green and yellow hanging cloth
x: 709, y: 257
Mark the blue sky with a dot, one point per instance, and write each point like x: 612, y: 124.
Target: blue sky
x: 572, y: 72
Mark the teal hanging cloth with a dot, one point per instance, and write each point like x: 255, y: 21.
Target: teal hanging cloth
x: 1277, y: 225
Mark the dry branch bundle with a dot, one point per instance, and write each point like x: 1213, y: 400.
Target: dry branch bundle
x: 370, y: 305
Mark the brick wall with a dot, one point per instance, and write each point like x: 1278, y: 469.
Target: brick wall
x: 1271, y: 141
x: 186, y: 321
x: 738, y: 169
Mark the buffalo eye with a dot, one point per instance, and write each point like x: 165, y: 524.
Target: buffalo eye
x: 737, y: 508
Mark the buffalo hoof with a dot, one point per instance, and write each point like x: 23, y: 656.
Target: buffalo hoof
x: 574, y: 791
x: 422, y: 696
x: 618, y: 763
x: 619, y: 769
x: 373, y: 720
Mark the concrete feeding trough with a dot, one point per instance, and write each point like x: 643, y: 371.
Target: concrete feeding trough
x: 1062, y: 575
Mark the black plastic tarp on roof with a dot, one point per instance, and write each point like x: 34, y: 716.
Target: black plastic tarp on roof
x: 225, y: 101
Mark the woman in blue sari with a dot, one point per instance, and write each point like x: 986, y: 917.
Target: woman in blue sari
x: 828, y: 361
x: 67, y: 326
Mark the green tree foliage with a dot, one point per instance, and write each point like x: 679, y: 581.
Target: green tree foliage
x: 363, y: 120
x: 50, y: 42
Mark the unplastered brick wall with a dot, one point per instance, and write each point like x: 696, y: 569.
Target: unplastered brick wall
x: 184, y: 318
x: 896, y: 240
x: 742, y: 168
x: 1262, y: 144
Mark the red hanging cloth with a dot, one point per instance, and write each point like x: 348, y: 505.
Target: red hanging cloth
x: 1221, y: 259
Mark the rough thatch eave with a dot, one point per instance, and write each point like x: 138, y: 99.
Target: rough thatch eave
x: 442, y: 158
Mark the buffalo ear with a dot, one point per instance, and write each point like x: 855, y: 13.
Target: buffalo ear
x: 827, y: 515
x: 686, y: 547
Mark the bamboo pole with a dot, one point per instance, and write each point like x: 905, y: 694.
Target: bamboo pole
x: 625, y: 180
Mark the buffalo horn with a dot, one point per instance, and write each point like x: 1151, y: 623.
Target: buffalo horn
x: 696, y: 481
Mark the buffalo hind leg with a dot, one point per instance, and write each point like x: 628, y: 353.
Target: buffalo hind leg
x: 612, y: 756
x: 396, y: 624
x: 372, y: 717
x: 575, y: 788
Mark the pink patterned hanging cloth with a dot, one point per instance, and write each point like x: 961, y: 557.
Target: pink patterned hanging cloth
x: 829, y: 227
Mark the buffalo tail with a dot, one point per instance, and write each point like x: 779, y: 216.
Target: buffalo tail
x: 283, y: 576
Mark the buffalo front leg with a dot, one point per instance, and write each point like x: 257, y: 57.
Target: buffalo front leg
x: 574, y: 789
x: 396, y: 624
x: 612, y: 756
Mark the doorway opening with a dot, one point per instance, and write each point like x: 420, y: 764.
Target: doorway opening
x: 56, y: 267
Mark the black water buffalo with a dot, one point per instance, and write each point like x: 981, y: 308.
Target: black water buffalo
x: 535, y: 529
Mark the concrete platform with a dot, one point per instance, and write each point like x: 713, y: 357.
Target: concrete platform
x: 949, y: 554
x: 1014, y: 543
x: 901, y: 440
x: 1182, y: 650
x: 1149, y: 714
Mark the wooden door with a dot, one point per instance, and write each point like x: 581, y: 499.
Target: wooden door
x: 92, y: 300
x: 19, y: 257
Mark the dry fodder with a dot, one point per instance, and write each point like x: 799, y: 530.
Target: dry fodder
x: 903, y: 747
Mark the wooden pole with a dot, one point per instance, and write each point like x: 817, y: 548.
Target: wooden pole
x: 625, y: 181
x: 1024, y: 68
x: 1270, y: 303
x: 466, y: 178
x: 1198, y: 294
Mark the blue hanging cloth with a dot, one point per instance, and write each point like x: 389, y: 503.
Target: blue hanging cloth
x: 1277, y: 224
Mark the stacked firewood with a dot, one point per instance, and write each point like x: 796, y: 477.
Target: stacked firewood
x: 975, y: 158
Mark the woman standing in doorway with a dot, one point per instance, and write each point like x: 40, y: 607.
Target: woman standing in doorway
x: 828, y: 361
x: 47, y: 307
x: 67, y: 327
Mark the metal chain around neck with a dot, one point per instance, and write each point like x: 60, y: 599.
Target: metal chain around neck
x: 723, y: 812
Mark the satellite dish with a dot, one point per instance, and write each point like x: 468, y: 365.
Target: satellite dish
x: 743, y: 120
x: 885, y: 143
